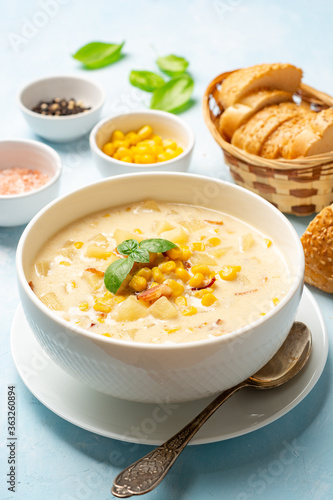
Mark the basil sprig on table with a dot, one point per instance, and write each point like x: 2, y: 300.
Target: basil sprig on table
x: 135, y: 252
x: 146, y: 80
x: 172, y: 65
x: 174, y: 95
x: 96, y: 55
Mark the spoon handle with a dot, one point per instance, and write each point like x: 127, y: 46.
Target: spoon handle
x: 145, y: 474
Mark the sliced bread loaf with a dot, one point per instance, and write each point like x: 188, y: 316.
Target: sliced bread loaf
x: 234, y: 116
x: 270, y: 76
x: 316, y: 137
x: 278, y: 143
x: 252, y: 135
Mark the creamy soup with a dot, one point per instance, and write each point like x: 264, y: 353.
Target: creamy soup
x: 223, y: 274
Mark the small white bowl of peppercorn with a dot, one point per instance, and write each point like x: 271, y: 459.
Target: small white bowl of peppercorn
x: 141, y: 141
x: 61, y: 108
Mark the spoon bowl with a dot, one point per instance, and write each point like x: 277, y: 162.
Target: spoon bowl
x: 145, y: 474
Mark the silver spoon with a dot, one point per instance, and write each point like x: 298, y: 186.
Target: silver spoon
x: 145, y: 474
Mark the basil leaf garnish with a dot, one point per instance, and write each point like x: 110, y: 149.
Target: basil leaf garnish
x: 141, y: 255
x: 172, y: 65
x: 157, y: 245
x: 127, y: 247
x: 117, y: 272
x: 98, y: 54
x: 174, y: 96
x: 146, y: 80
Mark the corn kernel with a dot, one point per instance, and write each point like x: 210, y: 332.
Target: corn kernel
x: 214, y: 242
x: 198, y: 246
x: 138, y: 283
x: 108, y: 295
x: 106, y: 334
x: 190, y: 311
x: 100, y: 307
x: 137, y: 231
x: 201, y: 269
x: 177, y: 288
x: 163, y: 157
x: 119, y: 298
x: 145, y: 132
x: 154, y: 283
x: 152, y: 257
x: 127, y: 159
x: 172, y: 330
x: 158, y: 276
x: 109, y: 148
x: 196, y: 280
x: 74, y: 285
x: 100, y: 320
x: 137, y: 158
x: 157, y: 139
x: 167, y: 267
x: 145, y: 272
x: 267, y: 242
x: 169, y: 144
x: 175, y: 253
x: 200, y: 293
x: 123, y: 152
x: 186, y: 252
x: 181, y: 301
x: 229, y: 273
x: 179, y: 264
x: 275, y: 301
x: 208, y: 299
x: 64, y: 263
x: 84, y: 306
x: 121, y: 144
x: 78, y: 244
x: 148, y: 158
x: 132, y: 137
x: 182, y: 274
x: 117, y: 135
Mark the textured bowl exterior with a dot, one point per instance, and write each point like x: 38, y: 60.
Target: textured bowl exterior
x: 161, y: 373
x: 164, y: 124
x: 16, y: 210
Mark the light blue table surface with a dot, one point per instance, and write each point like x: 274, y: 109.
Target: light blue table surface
x: 57, y: 460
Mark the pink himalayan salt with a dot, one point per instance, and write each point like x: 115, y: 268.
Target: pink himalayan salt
x: 18, y: 180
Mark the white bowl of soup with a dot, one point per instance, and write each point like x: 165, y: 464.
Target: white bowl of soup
x: 187, y: 322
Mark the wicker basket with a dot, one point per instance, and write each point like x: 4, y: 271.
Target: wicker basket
x: 301, y: 186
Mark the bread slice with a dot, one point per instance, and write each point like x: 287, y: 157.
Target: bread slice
x: 252, y: 135
x: 270, y: 76
x: 238, y: 113
x: 278, y: 143
x: 316, y: 137
x: 317, y: 243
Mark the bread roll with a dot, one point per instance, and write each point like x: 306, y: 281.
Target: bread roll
x: 317, y: 242
x: 316, y: 137
x: 252, y: 135
x: 238, y: 113
x: 269, y: 76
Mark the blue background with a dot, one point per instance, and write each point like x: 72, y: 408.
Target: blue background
x: 57, y: 460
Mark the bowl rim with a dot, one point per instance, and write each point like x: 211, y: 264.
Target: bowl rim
x: 48, y: 150
x: 162, y: 114
x: 298, y: 281
x: 45, y: 79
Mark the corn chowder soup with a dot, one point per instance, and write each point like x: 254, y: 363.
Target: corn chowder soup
x: 222, y: 275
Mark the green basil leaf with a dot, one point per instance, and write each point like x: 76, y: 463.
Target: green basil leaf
x: 146, y: 80
x: 117, y: 272
x: 140, y: 255
x: 98, y: 54
x: 127, y: 247
x: 172, y: 65
x: 174, y: 95
x: 157, y: 245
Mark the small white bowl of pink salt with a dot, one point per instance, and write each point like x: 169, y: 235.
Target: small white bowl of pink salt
x: 29, y: 179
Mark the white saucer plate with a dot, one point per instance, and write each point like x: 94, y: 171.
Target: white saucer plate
x: 246, y: 411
